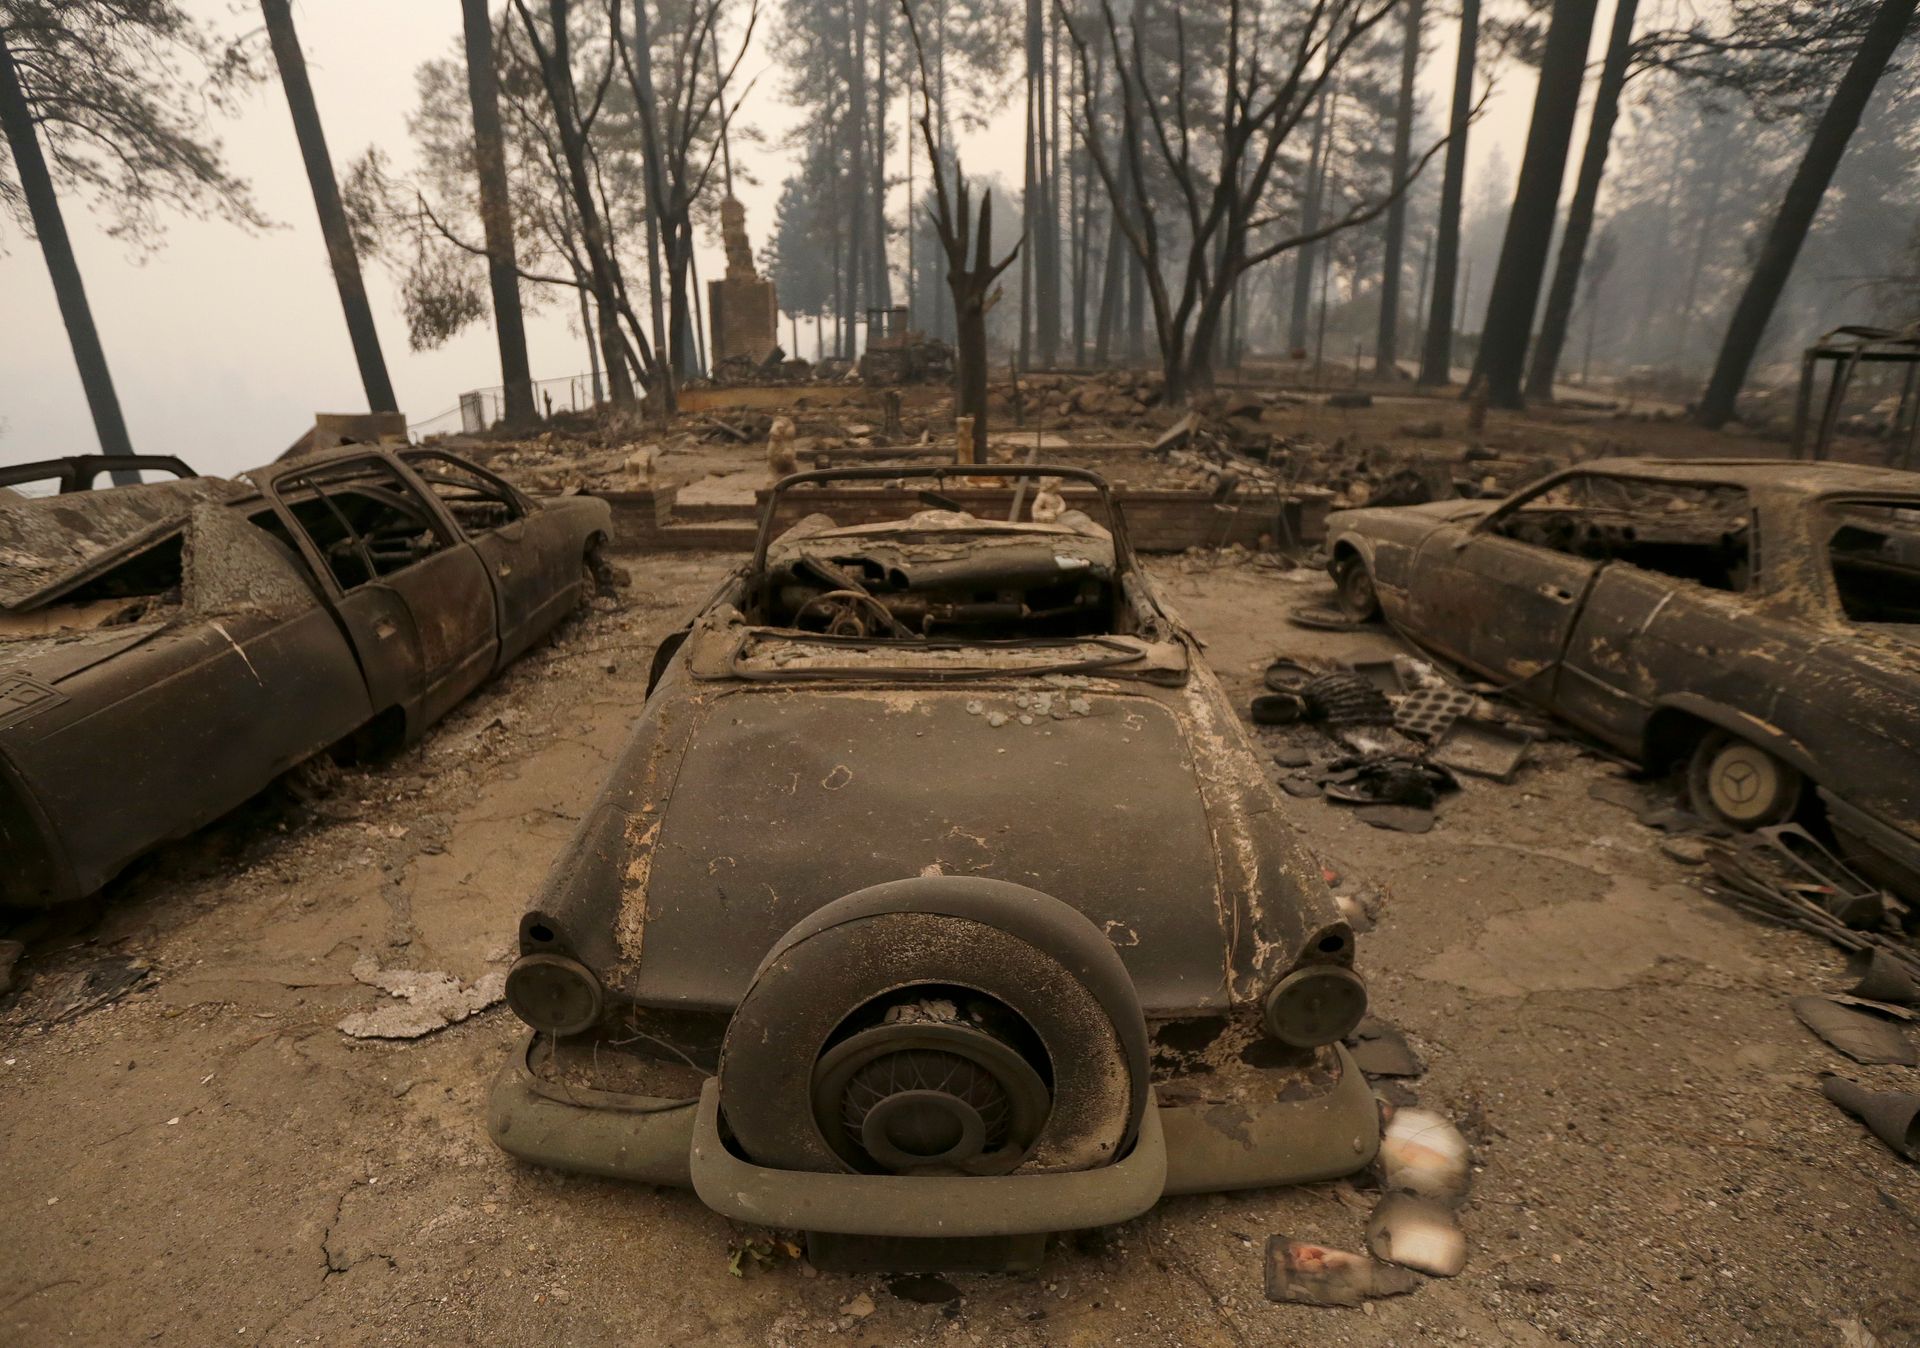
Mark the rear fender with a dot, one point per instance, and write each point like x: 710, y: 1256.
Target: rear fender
x: 36, y: 873
x: 1656, y: 749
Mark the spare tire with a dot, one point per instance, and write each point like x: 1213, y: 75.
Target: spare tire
x: 942, y: 1025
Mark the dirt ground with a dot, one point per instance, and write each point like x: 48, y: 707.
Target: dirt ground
x: 208, y: 1159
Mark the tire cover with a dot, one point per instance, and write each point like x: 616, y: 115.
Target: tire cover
x: 1039, y: 956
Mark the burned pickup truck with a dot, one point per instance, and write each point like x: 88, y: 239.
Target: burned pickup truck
x: 168, y: 648
x: 1757, y: 623
x: 938, y: 902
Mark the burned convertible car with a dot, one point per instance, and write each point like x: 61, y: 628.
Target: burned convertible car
x: 937, y: 903
x: 167, y: 648
x: 1755, y: 622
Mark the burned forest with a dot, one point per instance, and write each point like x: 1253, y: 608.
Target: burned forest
x: 960, y: 672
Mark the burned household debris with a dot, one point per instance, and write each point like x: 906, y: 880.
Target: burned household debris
x: 933, y: 1043
x: 243, y: 627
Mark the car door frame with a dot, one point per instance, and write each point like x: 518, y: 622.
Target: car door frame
x: 520, y: 558
x: 382, y: 619
x: 1439, y: 565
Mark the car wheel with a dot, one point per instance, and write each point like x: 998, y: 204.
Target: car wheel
x: 938, y: 1026
x: 1740, y: 784
x: 1358, y: 599
x: 589, y: 585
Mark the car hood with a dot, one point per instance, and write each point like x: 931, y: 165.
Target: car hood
x: 786, y: 799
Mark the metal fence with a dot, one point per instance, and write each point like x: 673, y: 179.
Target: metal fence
x: 483, y: 407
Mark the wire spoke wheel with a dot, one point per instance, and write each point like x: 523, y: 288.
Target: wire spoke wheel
x: 930, y: 1097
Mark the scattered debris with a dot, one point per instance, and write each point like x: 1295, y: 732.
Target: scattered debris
x: 426, y: 1001
x: 758, y: 1251
x: 1399, y: 818
x: 1888, y: 1009
x: 1417, y: 1233
x: 1687, y: 851
x: 1287, y: 676
x: 1345, y: 699
x: 1422, y: 1153
x: 1483, y: 748
x: 1278, y: 709
x: 1892, y: 1116
x: 1746, y: 876
x: 1380, y: 1050
x: 1881, y: 977
x: 1864, y: 1038
x: 1431, y: 712
x: 924, y: 1289
x: 1324, y: 618
x: 858, y: 1308
x: 1387, y: 781
x: 71, y: 992
x: 1315, y: 1275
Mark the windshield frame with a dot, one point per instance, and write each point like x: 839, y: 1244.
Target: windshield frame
x: 1123, y: 558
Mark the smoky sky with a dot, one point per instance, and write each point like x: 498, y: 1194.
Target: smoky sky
x: 223, y: 343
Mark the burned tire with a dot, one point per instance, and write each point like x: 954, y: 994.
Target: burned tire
x: 1358, y: 598
x: 1740, y: 784
x: 937, y: 1026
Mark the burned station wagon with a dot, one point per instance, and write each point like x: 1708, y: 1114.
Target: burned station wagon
x: 1757, y: 623
x: 938, y: 901
x: 168, y: 648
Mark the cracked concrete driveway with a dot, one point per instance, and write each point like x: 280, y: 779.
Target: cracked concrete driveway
x: 209, y: 1160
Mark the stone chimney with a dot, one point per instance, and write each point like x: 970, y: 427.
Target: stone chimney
x: 742, y: 307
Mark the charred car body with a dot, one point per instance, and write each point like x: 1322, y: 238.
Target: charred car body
x: 168, y: 648
x: 937, y: 903
x: 1756, y: 622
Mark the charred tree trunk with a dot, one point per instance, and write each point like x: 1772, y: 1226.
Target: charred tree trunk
x: 1536, y: 201
x: 653, y: 177
x: 1565, y: 290
x: 858, y: 264
x: 1802, y: 203
x: 1055, y: 269
x: 882, y: 284
x: 1436, y: 357
x: 1706, y: 234
x: 43, y: 207
x: 971, y: 269
x: 556, y: 77
x: 496, y: 213
x: 1307, y: 257
x: 1082, y: 227
x: 1386, y: 354
x: 1112, y: 279
x: 1029, y: 206
x: 326, y: 201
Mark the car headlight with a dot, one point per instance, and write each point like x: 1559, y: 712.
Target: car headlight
x: 1315, y: 1005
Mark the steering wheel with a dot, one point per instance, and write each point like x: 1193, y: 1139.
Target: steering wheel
x: 844, y: 617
